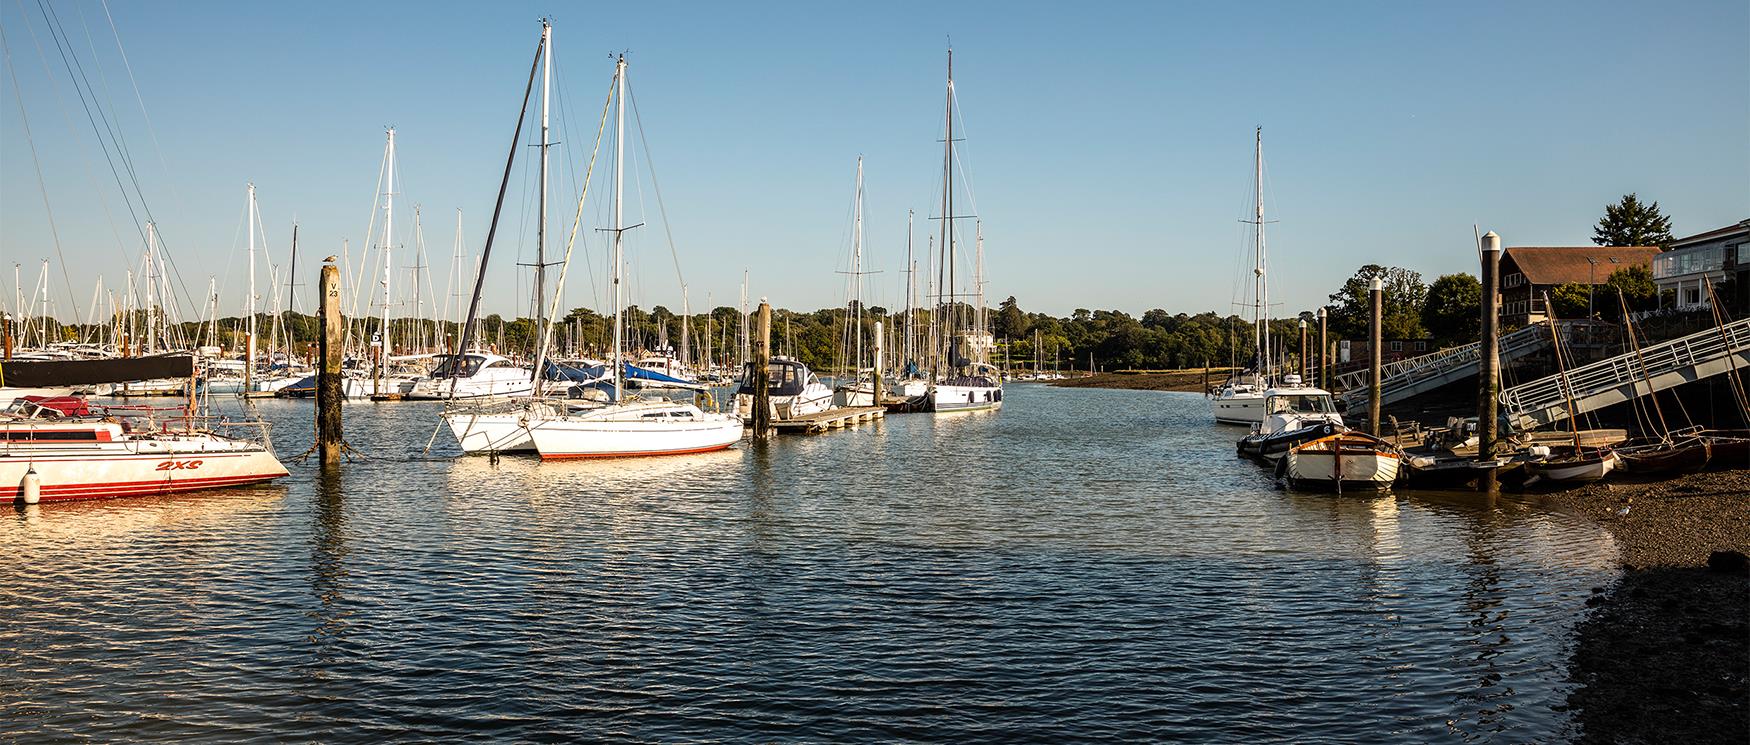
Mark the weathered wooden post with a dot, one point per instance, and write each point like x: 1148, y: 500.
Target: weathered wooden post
x: 1489, y: 356
x: 875, y: 374
x: 762, y: 373
x: 1305, y: 374
x: 1376, y: 310
x: 1324, y: 347
x: 328, y: 382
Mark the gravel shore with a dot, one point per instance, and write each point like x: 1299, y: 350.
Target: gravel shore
x: 1664, y: 655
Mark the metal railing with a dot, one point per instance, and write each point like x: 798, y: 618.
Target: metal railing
x: 1433, y: 371
x: 1545, y: 400
x: 1533, y: 336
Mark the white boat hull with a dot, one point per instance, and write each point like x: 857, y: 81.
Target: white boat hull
x: 1243, y: 409
x: 133, y: 469
x: 491, y: 433
x: 1581, y: 472
x: 946, y: 399
x: 437, y: 389
x: 1320, y: 469
x: 629, y: 430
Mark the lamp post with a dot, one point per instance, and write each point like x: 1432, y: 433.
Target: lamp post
x: 1591, y: 282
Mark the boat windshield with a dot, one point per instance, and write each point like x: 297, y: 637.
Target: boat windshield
x: 1306, y: 404
x: 787, y: 379
x: 447, y: 366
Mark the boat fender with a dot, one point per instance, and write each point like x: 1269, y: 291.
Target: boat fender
x: 31, y: 489
x: 1538, y: 451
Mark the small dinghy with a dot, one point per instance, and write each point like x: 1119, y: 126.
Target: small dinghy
x: 1569, y: 465
x: 1731, y: 448
x: 1342, y: 462
x: 1665, y: 457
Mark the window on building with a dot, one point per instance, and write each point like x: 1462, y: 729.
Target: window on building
x: 1421, y: 346
x: 1397, y: 346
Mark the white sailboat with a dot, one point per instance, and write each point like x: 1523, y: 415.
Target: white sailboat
x: 625, y: 427
x: 1241, y: 399
x: 859, y: 388
x: 964, y: 379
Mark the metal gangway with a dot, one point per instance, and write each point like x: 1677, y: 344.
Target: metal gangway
x: 1687, y: 359
x: 1417, y: 375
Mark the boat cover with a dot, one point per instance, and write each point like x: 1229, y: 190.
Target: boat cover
x: 50, y: 373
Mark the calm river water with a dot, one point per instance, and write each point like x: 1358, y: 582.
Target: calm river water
x: 1085, y: 564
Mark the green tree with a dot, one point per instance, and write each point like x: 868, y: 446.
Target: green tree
x: 1402, y: 311
x: 1632, y: 223
x: 1569, y: 300
x: 1453, y: 311
x: 1009, y: 321
x: 1635, y: 284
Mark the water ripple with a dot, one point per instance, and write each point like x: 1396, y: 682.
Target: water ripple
x: 1084, y: 565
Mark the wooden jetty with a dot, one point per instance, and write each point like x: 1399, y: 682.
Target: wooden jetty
x: 821, y: 421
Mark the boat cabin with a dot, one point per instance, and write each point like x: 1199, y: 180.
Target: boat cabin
x: 1298, y: 401
x: 468, y: 366
x: 789, y: 377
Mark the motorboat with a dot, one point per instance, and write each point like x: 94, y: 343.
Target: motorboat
x: 1293, y: 415
x: 1346, y: 461
x: 794, y: 390
x: 471, y: 375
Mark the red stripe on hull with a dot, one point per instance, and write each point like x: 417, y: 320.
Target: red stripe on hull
x: 71, y: 492
x: 580, y: 456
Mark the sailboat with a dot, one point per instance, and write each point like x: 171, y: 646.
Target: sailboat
x: 859, y: 388
x: 1240, y: 400
x: 1567, y: 463
x: 961, y: 382
x: 625, y: 427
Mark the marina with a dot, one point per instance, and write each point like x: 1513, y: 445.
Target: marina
x: 1066, y: 415
x: 698, y: 582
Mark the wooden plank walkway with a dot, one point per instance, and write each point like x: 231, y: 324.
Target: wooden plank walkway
x: 821, y: 421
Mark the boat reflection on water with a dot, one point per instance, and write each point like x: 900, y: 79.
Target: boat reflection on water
x: 77, y: 524
x: 595, y: 479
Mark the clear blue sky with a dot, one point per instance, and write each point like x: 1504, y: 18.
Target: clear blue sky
x: 1109, y: 144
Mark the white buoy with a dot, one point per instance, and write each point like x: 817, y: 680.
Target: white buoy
x: 32, y: 488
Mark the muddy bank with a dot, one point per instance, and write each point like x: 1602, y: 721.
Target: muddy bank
x: 1664, y: 654
x: 1171, y: 380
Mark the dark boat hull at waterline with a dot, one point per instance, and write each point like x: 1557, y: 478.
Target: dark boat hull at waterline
x: 1273, y: 447
x: 1666, y: 458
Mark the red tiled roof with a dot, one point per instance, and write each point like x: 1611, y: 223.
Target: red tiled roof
x: 1554, y: 265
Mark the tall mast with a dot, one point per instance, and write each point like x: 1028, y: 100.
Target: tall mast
x: 249, y: 338
x: 151, y: 287
x: 388, y: 243
x: 857, y: 273
x: 1261, y: 297
x: 541, y: 224
x: 911, y: 283
x: 619, y: 206
x: 686, y: 322
x: 947, y: 289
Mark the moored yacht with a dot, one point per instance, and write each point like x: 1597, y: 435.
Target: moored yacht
x: 63, y: 449
x: 794, y: 389
x: 1292, y: 415
x: 471, y: 375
